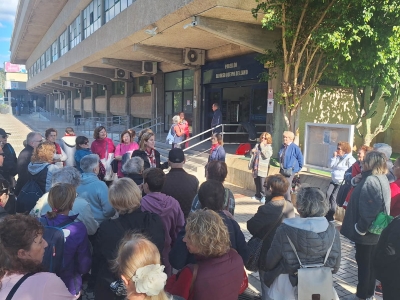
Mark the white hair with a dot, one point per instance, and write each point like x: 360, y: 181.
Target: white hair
x: 89, y: 162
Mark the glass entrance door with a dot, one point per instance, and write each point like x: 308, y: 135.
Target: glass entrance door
x: 213, y: 95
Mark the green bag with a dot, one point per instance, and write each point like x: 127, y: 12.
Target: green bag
x: 381, y: 221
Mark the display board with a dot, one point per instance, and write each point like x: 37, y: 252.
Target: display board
x: 320, y: 141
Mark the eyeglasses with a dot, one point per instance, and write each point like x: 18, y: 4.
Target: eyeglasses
x: 339, y: 148
x: 264, y: 138
x: 85, y: 143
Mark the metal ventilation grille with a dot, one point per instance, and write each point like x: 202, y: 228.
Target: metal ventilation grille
x: 192, y: 55
x: 148, y: 66
x: 121, y: 73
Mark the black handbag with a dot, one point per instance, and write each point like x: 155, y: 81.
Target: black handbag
x: 114, y: 165
x: 254, y: 246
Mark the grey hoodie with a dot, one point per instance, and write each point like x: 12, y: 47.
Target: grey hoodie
x: 44, y: 181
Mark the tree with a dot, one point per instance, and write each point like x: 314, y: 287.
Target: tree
x: 367, y: 61
x: 299, y: 53
x: 355, y: 42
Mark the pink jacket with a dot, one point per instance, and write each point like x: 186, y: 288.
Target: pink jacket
x: 120, y: 150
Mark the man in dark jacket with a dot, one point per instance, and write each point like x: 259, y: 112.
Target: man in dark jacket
x: 32, y: 141
x: 217, y: 118
x: 9, y: 168
x: 178, y: 183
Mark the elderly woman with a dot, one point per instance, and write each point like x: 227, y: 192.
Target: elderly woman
x: 81, y: 207
x: 184, y: 125
x: 370, y: 197
x: 217, y: 170
x: 211, y: 196
x: 147, y: 151
x: 261, y: 154
x: 125, y: 197
x: 136, y: 257
x: 217, y: 149
x: 4, y: 196
x: 94, y: 190
x: 133, y: 169
x: 82, y: 149
x: 311, y: 235
x: 76, y: 256
x: 59, y: 156
x: 268, y: 218
x: 290, y: 159
x: 127, y: 145
x: 177, y: 132
x: 219, y: 268
x: 341, y: 161
x: 21, y: 254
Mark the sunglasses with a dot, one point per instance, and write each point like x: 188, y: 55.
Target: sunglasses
x: 339, y: 149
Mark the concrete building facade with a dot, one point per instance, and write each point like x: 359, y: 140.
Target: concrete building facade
x: 146, y: 58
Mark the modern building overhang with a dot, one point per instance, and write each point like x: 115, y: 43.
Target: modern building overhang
x: 224, y: 28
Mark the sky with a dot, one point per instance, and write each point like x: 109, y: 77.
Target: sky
x: 7, y: 14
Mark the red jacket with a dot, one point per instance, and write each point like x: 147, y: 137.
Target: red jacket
x: 395, y: 194
x: 217, y: 278
x: 99, y: 147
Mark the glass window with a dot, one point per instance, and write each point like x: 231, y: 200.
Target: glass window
x: 42, y: 62
x: 54, y: 50
x: 75, y: 32
x: 173, y: 81
x: 64, y: 42
x: 48, y: 57
x: 118, y: 88
x: 88, y: 91
x: 188, y: 77
x: 141, y: 85
x: 114, y: 7
x: 38, y: 65
x: 100, y: 90
x: 91, y: 17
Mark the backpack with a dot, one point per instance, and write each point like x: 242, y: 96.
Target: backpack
x: 53, y: 257
x: 28, y: 196
x: 315, y: 279
x: 170, y: 136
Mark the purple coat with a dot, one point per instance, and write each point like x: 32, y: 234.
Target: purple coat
x: 171, y: 215
x: 77, y: 256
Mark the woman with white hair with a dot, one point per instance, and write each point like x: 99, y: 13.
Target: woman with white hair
x: 311, y: 235
x: 370, y: 197
x: 133, y: 169
x: 177, y: 132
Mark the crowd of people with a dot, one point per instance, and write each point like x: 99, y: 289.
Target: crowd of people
x: 133, y: 231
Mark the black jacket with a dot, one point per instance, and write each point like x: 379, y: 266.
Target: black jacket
x: 109, y: 236
x: 142, y: 154
x: 23, y: 161
x: 387, y: 256
x: 9, y: 167
x: 3, y: 213
x: 180, y: 256
x: 263, y: 220
x: 181, y: 186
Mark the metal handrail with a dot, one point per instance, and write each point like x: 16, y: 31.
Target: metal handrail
x: 157, y: 120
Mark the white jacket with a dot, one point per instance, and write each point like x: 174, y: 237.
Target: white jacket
x: 339, y: 165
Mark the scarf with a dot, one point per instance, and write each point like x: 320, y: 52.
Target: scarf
x: 152, y: 158
x: 213, y: 147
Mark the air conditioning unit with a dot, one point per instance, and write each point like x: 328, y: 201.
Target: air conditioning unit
x: 121, y: 74
x: 87, y: 82
x: 194, y: 56
x: 65, y: 83
x: 149, y: 67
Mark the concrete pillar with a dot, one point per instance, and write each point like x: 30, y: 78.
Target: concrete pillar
x: 107, y: 96
x: 66, y: 99
x: 9, y: 101
x: 196, y: 123
x: 93, y: 94
x: 59, y: 105
x: 81, y: 97
x: 128, y: 95
x: 82, y: 29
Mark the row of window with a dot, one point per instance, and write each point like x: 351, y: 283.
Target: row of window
x: 89, y: 20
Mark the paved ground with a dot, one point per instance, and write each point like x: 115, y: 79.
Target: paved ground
x: 345, y: 279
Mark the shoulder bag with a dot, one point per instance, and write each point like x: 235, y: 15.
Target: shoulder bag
x: 315, y: 280
x: 255, y: 244
x: 17, y: 285
x: 382, y: 220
